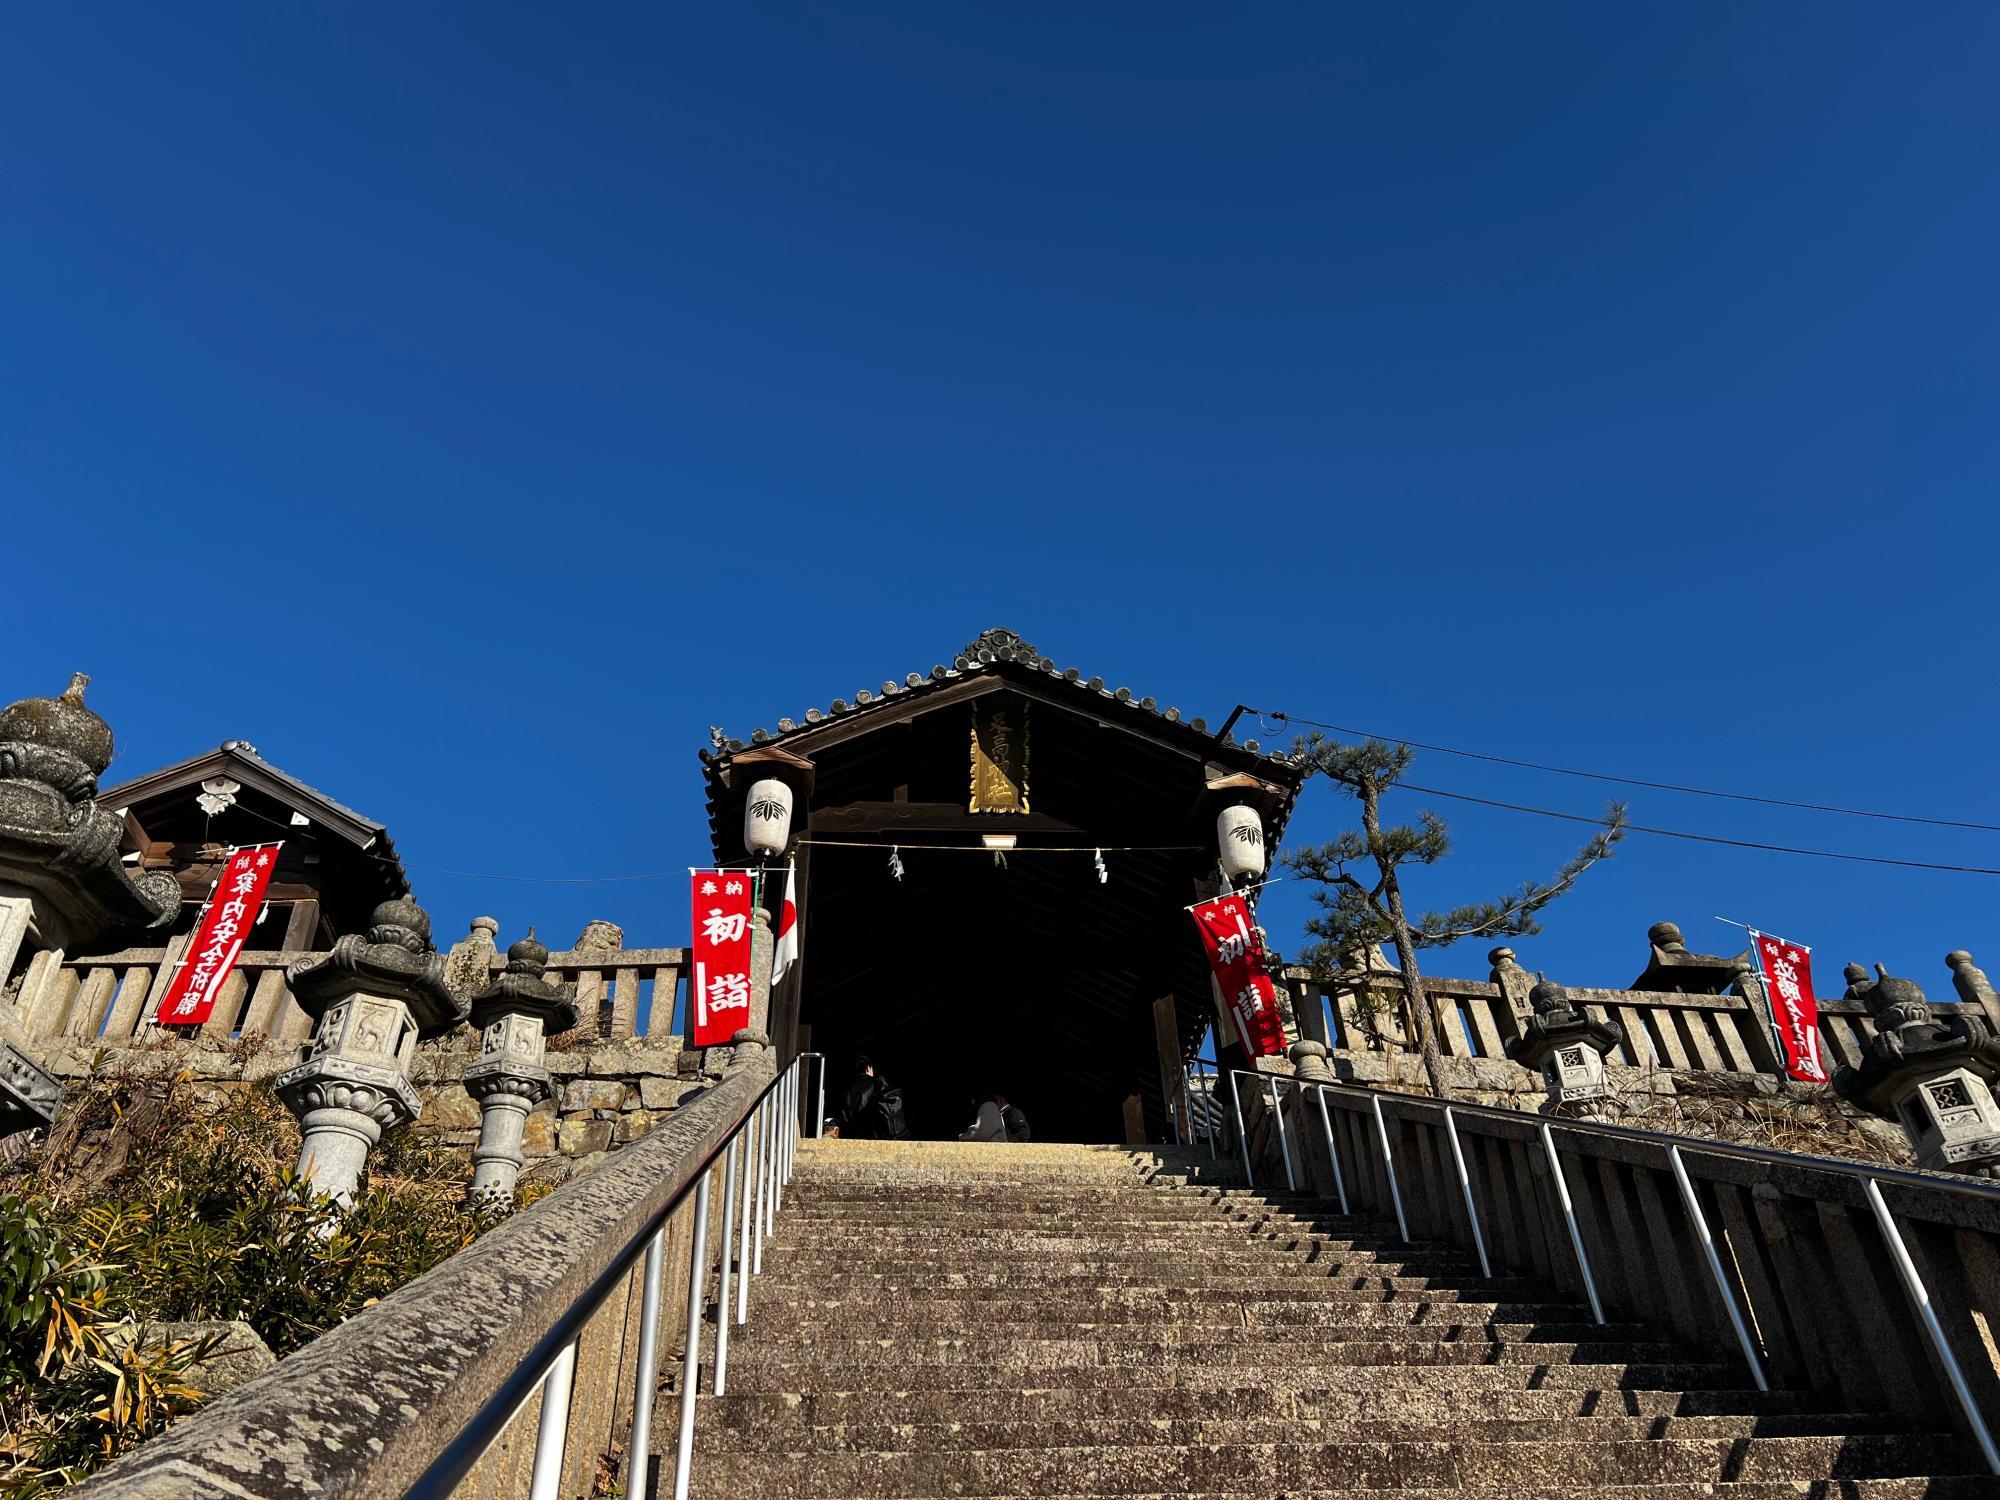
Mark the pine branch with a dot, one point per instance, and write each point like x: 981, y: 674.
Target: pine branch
x: 1515, y: 915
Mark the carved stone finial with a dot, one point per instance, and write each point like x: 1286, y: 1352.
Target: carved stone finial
x: 1666, y: 935
x: 1501, y: 958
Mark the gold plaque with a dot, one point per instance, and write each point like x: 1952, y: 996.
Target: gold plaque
x: 999, y: 756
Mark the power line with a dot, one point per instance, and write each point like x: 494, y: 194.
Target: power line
x: 1658, y: 786
x: 1699, y: 838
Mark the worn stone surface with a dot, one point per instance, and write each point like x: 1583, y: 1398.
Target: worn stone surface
x: 656, y: 1092
x: 580, y: 1135
x: 233, y: 1352
x: 993, y: 1320
x: 538, y: 1136
x: 629, y: 1126
x: 593, y: 1093
x: 450, y: 1108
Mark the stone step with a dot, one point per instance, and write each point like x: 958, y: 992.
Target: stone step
x: 1164, y: 1306
x: 826, y: 1262
x: 1055, y: 1326
x: 1919, y: 1487
x: 773, y: 1433
x: 1431, y: 1397
x: 1447, y: 1463
x: 1290, y: 1283
x: 1391, y: 1369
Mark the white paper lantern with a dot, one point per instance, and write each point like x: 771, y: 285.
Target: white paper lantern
x: 767, y: 818
x: 1240, y: 834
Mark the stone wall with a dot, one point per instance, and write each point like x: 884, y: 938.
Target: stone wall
x: 1746, y: 1109
x: 608, y: 1091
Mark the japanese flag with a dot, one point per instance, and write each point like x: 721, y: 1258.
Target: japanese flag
x: 787, y: 951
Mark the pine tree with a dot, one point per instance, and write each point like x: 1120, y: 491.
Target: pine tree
x: 1355, y: 915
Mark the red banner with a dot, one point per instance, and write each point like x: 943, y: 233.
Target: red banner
x: 1787, y: 971
x: 719, y: 1005
x: 1236, y: 956
x: 233, y: 908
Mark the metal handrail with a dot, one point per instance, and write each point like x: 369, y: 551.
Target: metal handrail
x: 550, y: 1365
x: 1869, y: 1177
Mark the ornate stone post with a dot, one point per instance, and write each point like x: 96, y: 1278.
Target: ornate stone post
x: 753, y: 1041
x: 1515, y: 985
x: 514, y: 1014
x: 1309, y: 1062
x: 1973, y: 987
x: 372, y: 999
x: 62, y: 880
x: 1566, y: 1047
x: 1932, y: 1075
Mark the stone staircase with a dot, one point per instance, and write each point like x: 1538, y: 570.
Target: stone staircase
x: 942, y: 1319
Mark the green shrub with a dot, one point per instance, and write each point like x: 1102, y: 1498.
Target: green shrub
x: 153, y: 1202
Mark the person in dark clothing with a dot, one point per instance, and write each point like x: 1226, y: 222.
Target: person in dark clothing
x: 869, y: 1109
x: 994, y: 1119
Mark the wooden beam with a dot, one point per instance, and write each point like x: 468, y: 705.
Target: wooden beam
x: 931, y: 817
x: 1167, y: 1034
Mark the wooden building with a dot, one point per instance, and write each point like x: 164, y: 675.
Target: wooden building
x: 1023, y: 968
x: 335, y: 867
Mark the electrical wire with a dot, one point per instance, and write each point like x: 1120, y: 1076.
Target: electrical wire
x: 1657, y: 786
x: 1699, y: 838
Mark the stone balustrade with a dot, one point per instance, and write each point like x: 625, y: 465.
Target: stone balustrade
x: 1661, y: 1030
x: 110, y: 999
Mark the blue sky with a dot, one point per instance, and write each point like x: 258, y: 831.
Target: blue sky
x: 522, y: 389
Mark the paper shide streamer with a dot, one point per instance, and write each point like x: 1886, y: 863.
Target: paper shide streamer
x: 895, y: 862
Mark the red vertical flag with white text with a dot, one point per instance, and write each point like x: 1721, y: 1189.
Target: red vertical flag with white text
x: 719, y: 1005
x: 1787, y: 971
x: 233, y: 908
x: 1236, y: 957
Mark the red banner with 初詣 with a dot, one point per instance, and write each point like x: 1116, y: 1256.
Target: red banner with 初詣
x: 232, y: 910
x: 719, y: 1005
x: 1787, y: 971
x: 1236, y: 957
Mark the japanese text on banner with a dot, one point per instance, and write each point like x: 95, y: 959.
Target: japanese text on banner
x: 232, y: 910
x: 1787, y: 971
x: 1236, y: 958
x: 719, y: 1005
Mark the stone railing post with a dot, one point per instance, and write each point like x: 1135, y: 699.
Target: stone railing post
x: 468, y: 967
x: 748, y: 1044
x: 1973, y: 987
x: 514, y: 1014
x: 372, y: 1000
x: 1515, y: 984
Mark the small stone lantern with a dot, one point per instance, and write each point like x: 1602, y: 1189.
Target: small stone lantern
x: 372, y: 1000
x: 1565, y: 1046
x: 1932, y: 1075
x: 514, y: 1014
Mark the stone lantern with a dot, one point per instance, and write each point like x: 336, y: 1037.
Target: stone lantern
x: 514, y: 1014
x: 372, y: 1000
x: 62, y: 878
x: 1565, y: 1046
x: 1931, y: 1074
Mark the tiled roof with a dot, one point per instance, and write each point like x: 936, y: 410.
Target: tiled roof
x: 997, y: 649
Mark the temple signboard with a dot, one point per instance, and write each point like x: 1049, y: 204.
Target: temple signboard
x: 1235, y: 952
x: 233, y: 909
x: 719, y: 1007
x: 999, y: 756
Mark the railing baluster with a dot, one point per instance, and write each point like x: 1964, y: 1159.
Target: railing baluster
x: 1569, y: 1216
x: 723, y: 1311
x: 745, y: 1194
x: 1389, y: 1164
x: 1242, y: 1137
x: 819, y: 1116
x: 1715, y: 1268
x: 1465, y: 1187
x: 550, y: 1437
x: 1332, y: 1153
x: 1284, y: 1140
x: 647, y: 1372
x: 1914, y: 1285
x: 691, y: 1358
x: 763, y: 1154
